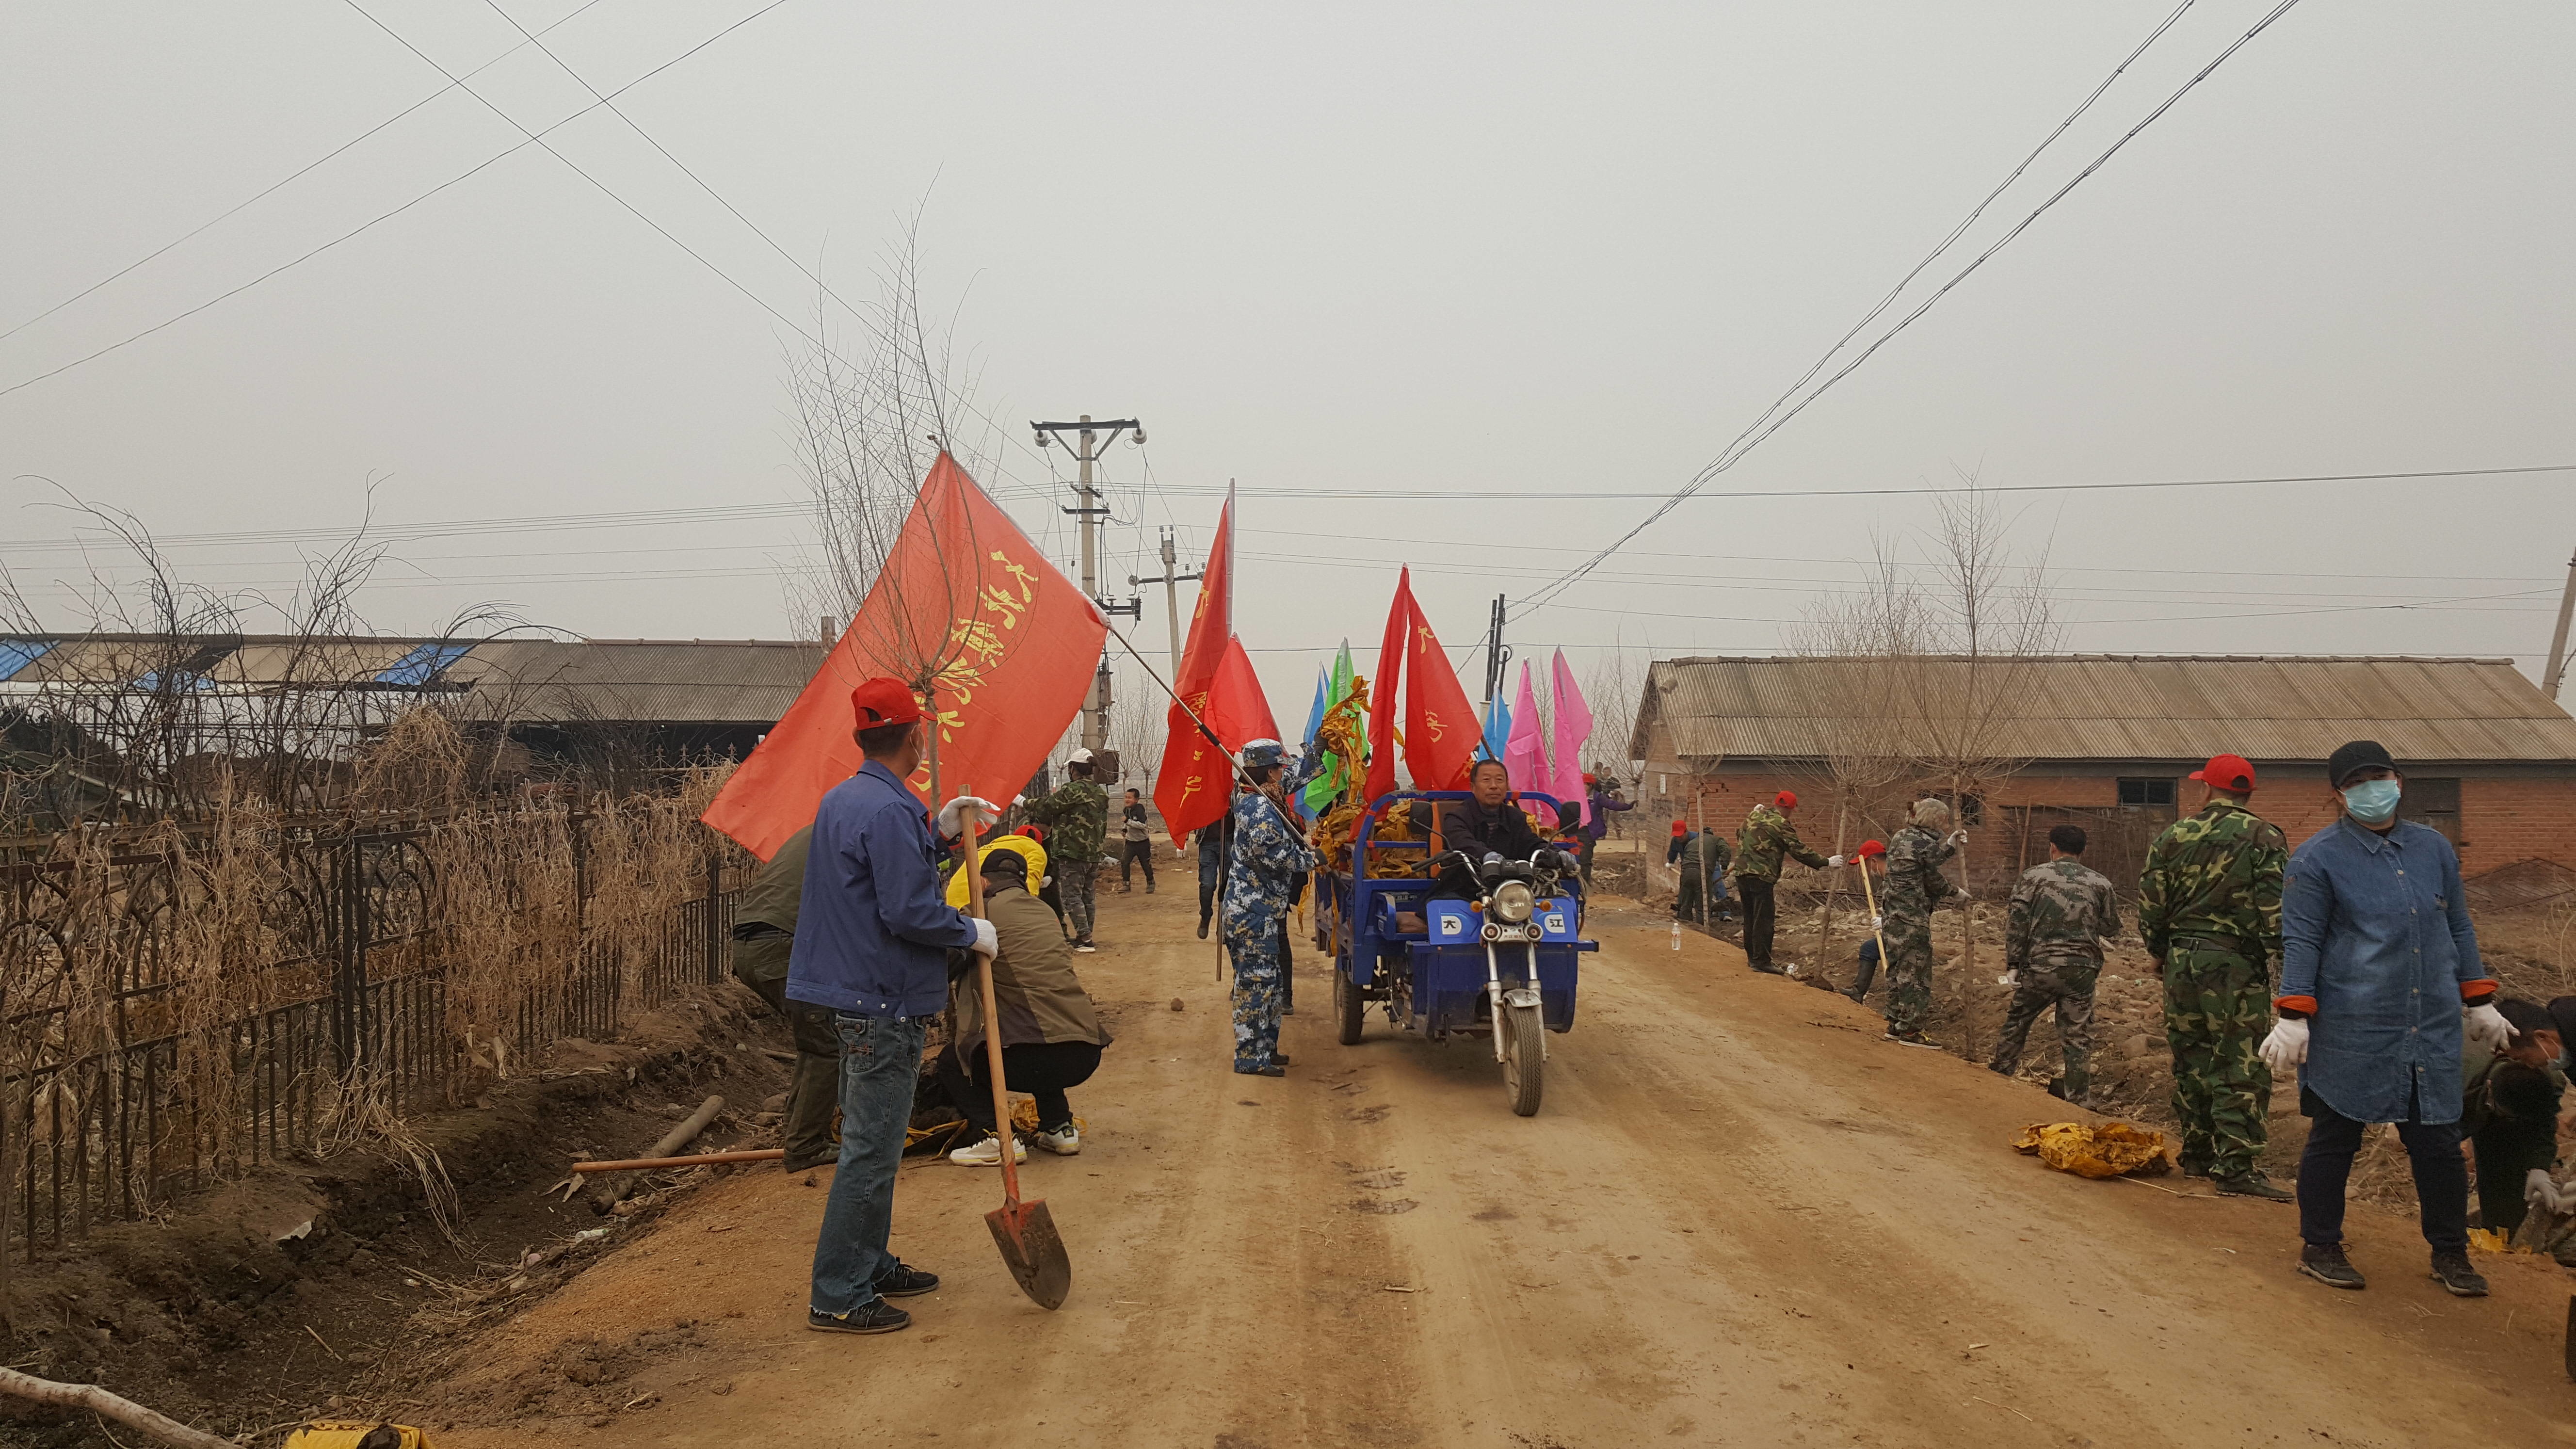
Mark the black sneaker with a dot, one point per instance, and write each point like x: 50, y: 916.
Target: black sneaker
x: 2329, y: 1266
x: 2195, y: 1167
x: 1913, y: 1039
x: 1272, y: 1070
x: 2255, y: 1185
x: 1770, y: 970
x: 1280, y: 1057
x: 2457, y: 1276
x: 878, y: 1316
x: 1202, y: 930
x: 902, y: 1282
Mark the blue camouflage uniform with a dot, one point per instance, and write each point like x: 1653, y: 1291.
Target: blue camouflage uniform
x: 1260, y: 886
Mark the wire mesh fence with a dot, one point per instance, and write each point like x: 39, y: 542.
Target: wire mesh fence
x: 181, y: 1006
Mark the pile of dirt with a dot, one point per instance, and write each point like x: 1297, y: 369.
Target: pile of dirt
x: 286, y: 1291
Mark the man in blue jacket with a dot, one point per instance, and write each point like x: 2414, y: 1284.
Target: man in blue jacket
x: 2380, y: 980
x: 872, y: 940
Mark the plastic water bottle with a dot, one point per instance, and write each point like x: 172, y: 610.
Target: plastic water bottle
x: 1677, y: 935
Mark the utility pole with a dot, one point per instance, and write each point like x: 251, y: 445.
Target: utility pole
x: 1171, y: 580
x: 2558, y: 641
x: 1497, y: 655
x: 1087, y: 507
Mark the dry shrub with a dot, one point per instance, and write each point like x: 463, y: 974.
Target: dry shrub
x: 199, y: 948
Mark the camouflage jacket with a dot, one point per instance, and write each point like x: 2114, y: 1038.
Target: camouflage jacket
x: 2216, y: 873
x: 1263, y: 865
x: 1077, y: 820
x: 1915, y: 883
x: 1710, y: 852
x: 1767, y: 836
x: 2060, y: 911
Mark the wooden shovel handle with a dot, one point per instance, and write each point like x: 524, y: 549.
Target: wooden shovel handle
x: 970, y: 817
x: 1870, y: 898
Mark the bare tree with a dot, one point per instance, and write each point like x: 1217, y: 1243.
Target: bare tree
x: 1989, y: 619
x: 1859, y: 651
x: 1612, y: 687
x: 873, y: 405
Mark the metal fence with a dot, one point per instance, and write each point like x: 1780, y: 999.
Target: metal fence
x: 116, y: 1096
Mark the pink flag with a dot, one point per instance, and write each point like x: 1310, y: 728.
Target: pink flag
x: 1523, y: 756
x: 1573, y: 727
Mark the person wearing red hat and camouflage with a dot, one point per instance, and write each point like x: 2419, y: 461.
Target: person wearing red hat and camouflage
x: 1768, y: 836
x: 2209, y: 911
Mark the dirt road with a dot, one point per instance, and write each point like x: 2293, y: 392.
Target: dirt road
x: 1739, y: 1219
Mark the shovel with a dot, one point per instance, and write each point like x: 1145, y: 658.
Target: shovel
x: 1869, y: 897
x: 1024, y: 1231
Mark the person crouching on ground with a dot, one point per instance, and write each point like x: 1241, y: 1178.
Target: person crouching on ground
x: 1051, y: 1036
x: 2380, y: 981
x: 2509, y: 1101
x: 2061, y: 913
x: 872, y: 941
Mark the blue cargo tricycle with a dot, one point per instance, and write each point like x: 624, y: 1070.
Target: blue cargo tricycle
x: 1480, y: 947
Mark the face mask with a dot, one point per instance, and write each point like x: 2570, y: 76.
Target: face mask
x: 2372, y: 801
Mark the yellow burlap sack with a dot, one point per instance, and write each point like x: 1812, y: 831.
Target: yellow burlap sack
x: 2113, y: 1149
x: 353, y: 1433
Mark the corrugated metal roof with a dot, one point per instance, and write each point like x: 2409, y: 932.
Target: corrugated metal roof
x: 711, y: 680
x: 2134, y: 707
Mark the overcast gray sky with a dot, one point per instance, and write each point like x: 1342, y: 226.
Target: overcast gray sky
x: 1452, y: 250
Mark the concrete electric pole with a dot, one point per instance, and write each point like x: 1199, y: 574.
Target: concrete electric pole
x: 2558, y: 641
x: 1093, y: 438
x: 1171, y: 580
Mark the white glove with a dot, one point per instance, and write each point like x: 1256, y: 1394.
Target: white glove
x: 2487, y: 1027
x: 986, y: 943
x: 951, y: 813
x: 2539, y: 1193
x: 1833, y: 862
x: 1019, y: 800
x: 1958, y: 837
x: 2287, y: 1046
x: 2009, y: 978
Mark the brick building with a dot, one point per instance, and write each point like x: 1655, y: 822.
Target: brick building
x: 2105, y: 741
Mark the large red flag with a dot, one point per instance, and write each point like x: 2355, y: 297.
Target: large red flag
x: 1190, y: 791
x: 1193, y: 792
x: 1440, y: 733
x: 1390, y: 668
x: 997, y: 644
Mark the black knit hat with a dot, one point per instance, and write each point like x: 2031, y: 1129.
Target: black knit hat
x: 2358, y: 755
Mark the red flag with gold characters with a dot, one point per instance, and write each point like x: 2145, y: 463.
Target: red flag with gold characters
x: 997, y: 645
x: 1191, y: 790
x: 1440, y: 729
x: 1391, y: 650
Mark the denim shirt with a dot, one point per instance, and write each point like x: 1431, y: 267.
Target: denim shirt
x: 873, y: 928
x: 2374, y: 929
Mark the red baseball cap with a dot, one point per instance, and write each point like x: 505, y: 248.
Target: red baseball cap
x: 2226, y: 772
x: 1786, y: 799
x: 881, y: 701
x: 1591, y: 779
x: 1680, y: 829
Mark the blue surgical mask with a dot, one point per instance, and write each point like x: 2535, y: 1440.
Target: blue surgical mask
x: 2372, y: 801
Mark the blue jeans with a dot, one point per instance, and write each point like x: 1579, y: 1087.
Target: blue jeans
x: 880, y: 1062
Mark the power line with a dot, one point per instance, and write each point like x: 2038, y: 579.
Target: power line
x: 715, y: 513
x: 304, y: 170
x: 1736, y: 451
x: 388, y: 215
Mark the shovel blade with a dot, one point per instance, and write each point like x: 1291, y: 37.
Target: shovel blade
x: 1025, y: 1232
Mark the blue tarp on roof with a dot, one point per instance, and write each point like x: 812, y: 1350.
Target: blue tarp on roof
x: 17, y: 654
x: 421, y: 665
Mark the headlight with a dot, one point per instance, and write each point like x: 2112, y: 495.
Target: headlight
x: 1511, y: 903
